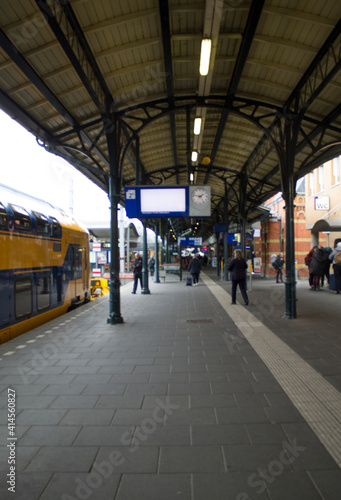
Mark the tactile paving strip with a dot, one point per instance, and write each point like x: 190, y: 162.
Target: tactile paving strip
x: 318, y: 401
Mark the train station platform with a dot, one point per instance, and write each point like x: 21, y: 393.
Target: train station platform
x: 190, y: 398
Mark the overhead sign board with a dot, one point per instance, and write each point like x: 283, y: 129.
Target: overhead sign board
x: 171, y: 201
x: 191, y: 242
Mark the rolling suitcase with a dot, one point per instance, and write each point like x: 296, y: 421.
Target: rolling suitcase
x: 188, y: 281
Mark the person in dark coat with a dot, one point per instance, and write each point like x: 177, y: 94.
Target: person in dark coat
x: 151, y: 264
x: 137, y: 270
x: 194, y: 269
x: 237, y: 268
x: 327, y: 251
x: 280, y: 263
x: 317, y: 267
x: 336, y: 259
x: 308, y: 262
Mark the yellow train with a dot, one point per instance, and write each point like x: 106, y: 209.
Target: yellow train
x: 44, y: 263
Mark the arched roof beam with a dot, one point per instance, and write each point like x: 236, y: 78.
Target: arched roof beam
x: 167, y: 55
x: 251, y: 25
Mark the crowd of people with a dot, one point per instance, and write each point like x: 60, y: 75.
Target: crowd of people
x: 319, y: 260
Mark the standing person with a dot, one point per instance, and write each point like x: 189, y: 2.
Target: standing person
x: 151, y: 264
x: 237, y: 268
x: 137, y: 270
x: 280, y: 262
x: 194, y: 268
x: 317, y: 267
x: 335, y: 257
x: 327, y: 252
x: 307, y: 260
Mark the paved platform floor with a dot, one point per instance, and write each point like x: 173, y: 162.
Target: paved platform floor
x: 191, y: 398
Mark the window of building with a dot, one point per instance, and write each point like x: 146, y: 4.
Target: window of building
x: 311, y: 184
x: 336, y: 170
x: 23, y: 297
x: 321, y: 178
x: 22, y: 219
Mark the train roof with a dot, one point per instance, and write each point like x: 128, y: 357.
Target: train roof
x: 9, y: 195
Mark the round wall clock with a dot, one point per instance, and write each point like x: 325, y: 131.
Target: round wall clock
x: 200, y: 196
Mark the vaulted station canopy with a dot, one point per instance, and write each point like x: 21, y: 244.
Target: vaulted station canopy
x: 114, y: 87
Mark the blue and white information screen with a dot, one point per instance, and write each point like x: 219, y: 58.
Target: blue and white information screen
x: 170, y: 201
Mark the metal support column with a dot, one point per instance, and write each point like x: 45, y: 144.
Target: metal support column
x: 157, y: 277
x: 226, y: 235
x: 114, y: 294
x: 145, y: 286
x: 218, y: 254
x: 290, y: 280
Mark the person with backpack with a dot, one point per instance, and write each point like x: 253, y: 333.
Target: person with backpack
x: 307, y: 261
x: 335, y: 257
x: 278, y: 265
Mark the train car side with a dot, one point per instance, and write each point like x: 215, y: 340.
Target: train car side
x: 44, y: 264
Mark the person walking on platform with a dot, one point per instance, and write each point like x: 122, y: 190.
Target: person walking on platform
x: 317, y: 267
x: 237, y: 268
x: 335, y: 257
x: 194, y: 269
x: 151, y: 264
x: 137, y: 270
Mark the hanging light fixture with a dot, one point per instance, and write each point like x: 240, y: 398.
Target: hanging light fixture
x: 197, y: 126
x: 194, y: 156
x: 205, y: 55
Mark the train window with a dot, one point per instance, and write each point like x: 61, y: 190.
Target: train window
x: 57, y: 246
x: 43, y: 291
x: 42, y: 223
x: 22, y: 219
x: 23, y: 297
x: 3, y: 216
x: 56, y: 228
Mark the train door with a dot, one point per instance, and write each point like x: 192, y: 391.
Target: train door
x: 4, y: 299
x: 85, y: 269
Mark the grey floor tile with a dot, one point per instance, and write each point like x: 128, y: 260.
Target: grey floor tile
x: 219, y: 434
x: 231, y: 485
x: 100, y: 484
x: 88, y: 417
x: 63, y: 459
x: 134, y: 459
x: 294, y: 485
x: 328, y: 482
x: 265, y: 433
x: 184, y: 459
x: 154, y: 487
x: 74, y: 401
x: 40, y: 417
x: 49, y: 435
x: 248, y: 457
x: 105, y: 435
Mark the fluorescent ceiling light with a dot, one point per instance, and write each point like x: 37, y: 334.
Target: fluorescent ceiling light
x: 197, y: 126
x: 205, y: 56
x: 191, y: 177
x: 194, y: 156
